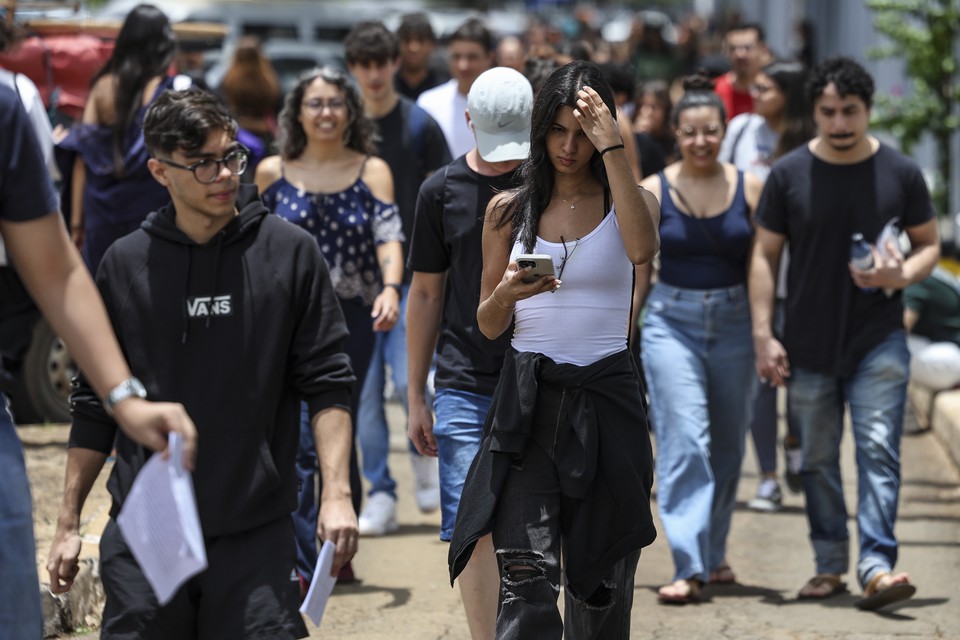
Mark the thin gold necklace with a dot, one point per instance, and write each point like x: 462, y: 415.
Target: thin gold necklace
x: 572, y: 205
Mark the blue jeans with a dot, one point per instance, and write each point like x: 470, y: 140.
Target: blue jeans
x: 373, y: 432
x: 458, y: 430
x: 528, y: 539
x: 357, y: 346
x: 698, y: 358
x: 876, y: 394
x: 20, y: 617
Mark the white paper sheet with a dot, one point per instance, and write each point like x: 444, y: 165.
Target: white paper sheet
x: 160, y: 523
x: 321, y: 586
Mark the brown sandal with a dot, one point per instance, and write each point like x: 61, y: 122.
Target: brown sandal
x: 821, y: 587
x: 722, y: 575
x: 680, y: 592
x: 897, y: 590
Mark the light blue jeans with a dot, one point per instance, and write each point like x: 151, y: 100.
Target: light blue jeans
x: 458, y: 430
x: 698, y: 359
x: 373, y: 432
x: 20, y: 617
x: 876, y: 394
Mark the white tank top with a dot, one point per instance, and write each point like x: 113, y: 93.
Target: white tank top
x: 586, y: 319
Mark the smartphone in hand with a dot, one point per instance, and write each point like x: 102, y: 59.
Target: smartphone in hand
x: 540, y: 265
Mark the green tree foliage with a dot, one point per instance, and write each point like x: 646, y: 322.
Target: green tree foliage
x: 924, y: 34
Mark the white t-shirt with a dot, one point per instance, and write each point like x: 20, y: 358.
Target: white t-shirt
x: 447, y: 106
x: 586, y: 319
x: 749, y: 144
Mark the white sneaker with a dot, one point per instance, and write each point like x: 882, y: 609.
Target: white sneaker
x: 426, y: 482
x: 379, y: 515
x: 769, y: 498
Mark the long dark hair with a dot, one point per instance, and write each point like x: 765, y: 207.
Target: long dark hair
x: 143, y: 50
x: 537, y: 172
x: 360, y: 129
x: 791, y: 78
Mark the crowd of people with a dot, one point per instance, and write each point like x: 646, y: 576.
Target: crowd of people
x: 697, y: 216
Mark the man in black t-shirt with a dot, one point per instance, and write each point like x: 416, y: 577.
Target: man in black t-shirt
x: 413, y: 145
x: 447, y: 261
x: 843, y: 331
x: 37, y: 242
x: 419, y: 71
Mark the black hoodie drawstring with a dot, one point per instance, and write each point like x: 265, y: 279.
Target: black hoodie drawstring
x: 186, y: 292
x: 216, y: 267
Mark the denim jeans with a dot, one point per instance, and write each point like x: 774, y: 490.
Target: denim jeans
x: 357, y: 346
x: 698, y: 357
x: 20, y: 617
x: 458, y: 430
x: 373, y: 432
x: 876, y: 394
x: 527, y: 539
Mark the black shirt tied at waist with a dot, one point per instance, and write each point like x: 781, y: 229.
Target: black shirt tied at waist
x: 606, y: 467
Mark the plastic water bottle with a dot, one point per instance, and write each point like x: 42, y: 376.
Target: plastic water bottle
x: 861, y: 256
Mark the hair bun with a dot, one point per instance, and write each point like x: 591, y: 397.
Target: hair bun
x: 698, y: 82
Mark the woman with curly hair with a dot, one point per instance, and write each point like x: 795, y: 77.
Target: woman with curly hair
x: 327, y: 181
x: 112, y: 190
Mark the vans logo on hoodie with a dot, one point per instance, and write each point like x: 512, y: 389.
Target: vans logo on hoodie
x: 206, y: 306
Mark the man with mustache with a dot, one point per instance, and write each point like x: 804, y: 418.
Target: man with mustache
x: 844, y: 326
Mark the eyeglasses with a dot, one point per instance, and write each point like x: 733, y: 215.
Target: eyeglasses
x: 207, y: 171
x: 760, y: 89
x: 566, y: 256
x: 690, y: 133
x: 317, y: 105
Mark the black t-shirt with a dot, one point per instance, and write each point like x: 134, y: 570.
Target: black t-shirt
x: 447, y: 238
x: 830, y: 323
x: 653, y: 157
x: 26, y: 191
x: 411, y: 156
x: 434, y: 78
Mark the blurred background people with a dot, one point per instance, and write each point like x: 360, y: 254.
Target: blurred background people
x: 512, y: 52
x: 931, y: 315
x: 656, y: 141
x: 327, y: 181
x: 746, y: 49
x: 779, y: 123
x: 412, y: 145
x: 112, y: 190
x: 251, y: 91
x: 418, y: 42
x: 471, y: 53
x: 697, y: 344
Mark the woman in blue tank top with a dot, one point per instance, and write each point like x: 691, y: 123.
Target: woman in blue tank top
x: 327, y: 182
x: 696, y: 342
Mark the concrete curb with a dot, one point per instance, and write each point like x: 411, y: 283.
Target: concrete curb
x: 939, y: 412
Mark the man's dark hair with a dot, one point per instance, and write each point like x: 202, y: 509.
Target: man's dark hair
x: 416, y: 26
x: 846, y: 74
x: 473, y: 30
x: 370, y: 41
x: 184, y: 120
x: 747, y: 26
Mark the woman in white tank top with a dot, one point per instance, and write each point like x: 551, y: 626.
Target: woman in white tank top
x: 567, y: 416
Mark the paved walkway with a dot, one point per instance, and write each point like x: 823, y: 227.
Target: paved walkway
x: 403, y: 591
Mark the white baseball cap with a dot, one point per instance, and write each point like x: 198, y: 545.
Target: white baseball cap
x: 500, y: 103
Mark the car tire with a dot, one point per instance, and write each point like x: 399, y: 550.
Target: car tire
x: 44, y: 379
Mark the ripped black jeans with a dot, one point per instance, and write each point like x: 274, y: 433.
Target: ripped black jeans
x: 527, y: 540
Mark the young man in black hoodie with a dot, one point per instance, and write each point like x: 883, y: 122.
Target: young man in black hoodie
x: 229, y: 310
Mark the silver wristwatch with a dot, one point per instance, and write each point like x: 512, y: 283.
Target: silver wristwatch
x: 129, y: 388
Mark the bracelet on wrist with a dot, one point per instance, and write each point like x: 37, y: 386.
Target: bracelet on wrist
x: 396, y: 287
x: 612, y: 148
x: 497, y: 302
